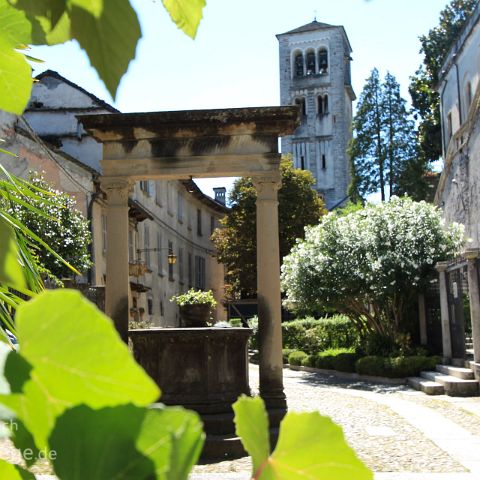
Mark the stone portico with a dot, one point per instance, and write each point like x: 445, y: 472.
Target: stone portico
x: 201, y: 144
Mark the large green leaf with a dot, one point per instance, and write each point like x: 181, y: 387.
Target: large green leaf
x: 312, y: 446
x: 186, y: 436
x: 11, y: 272
x: 95, y: 7
x: 186, y: 14
x: 15, y: 78
x: 14, y: 26
x: 100, y: 444
x: 110, y: 40
x: 77, y: 357
x: 13, y: 472
x: 251, y: 424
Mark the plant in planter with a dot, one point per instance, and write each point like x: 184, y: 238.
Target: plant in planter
x: 195, y: 307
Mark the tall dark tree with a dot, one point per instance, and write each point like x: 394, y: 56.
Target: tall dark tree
x: 299, y: 206
x: 425, y: 99
x: 384, y: 143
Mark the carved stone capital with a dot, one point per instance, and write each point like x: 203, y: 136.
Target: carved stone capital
x: 441, y: 266
x: 117, y: 189
x: 267, y: 186
x: 471, y: 254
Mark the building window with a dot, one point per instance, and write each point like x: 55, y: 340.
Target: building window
x: 323, y: 61
x: 322, y: 104
x: 179, y: 207
x: 158, y: 193
x: 159, y: 254
x: 449, y: 126
x: 162, y: 310
x: 169, y: 198
x: 310, y: 63
x: 190, y: 270
x: 180, y: 266
x: 104, y: 234
x: 150, y: 306
x: 324, y: 162
x: 199, y: 222
x: 131, y: 246
x: 468, y: 94
x: 299, y: 64
x: 302, y: 162
x: 145, y: 186
x: 170, y: 266
x: 300, y: 101
x: 212, y: 224
x: 146, y: 242
x: 199, y: 272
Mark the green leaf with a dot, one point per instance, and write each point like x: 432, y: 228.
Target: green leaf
x: 23, y: 440
x: 103, y: 445
x: 95, y: 7
x: 186, y: 14
x: 77, y: 357
x: 109, y: 40
x: 14, y: 26
x: 312, y: 446
x: 15, y: 78
x: 11, y: 272
x: 185, y: 432
x: 13, y: 472
x: 251, y: 425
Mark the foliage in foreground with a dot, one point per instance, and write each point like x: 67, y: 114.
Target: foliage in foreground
x: 298, y: 206
x: 309, y: 446
x: 111, y: 24
x: 61, y: 226
x: 371, y: 264
x: 78, y: 398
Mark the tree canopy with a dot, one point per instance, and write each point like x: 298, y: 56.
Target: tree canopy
x: 299, y: 206
x: 369, y: 264
x: 61, y: 226
x: 383, y: 147
x: 425, y: 99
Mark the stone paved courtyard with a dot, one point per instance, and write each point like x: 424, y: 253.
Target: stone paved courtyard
x: 399, y: 433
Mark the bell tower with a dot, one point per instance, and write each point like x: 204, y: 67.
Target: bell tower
x: 315, y: 75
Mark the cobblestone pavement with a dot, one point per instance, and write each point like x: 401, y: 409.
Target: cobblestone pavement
x: 389, y: 442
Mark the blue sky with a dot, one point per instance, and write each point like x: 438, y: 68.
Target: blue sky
x: 234, y: 60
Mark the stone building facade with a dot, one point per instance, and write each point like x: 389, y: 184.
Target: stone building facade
x: 165, y: 216
x: 315, y: 74
x: 458, y: 192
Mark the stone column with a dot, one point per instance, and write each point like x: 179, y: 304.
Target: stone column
x: 423, y: 319
x: 445, y: 315
x: 472, y: 254
x: 268, y: 286
x: 117, y: 286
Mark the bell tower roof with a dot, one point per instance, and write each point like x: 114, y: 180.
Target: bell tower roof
x: 308, y: 28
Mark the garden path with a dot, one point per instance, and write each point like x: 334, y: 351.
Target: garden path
x: 401, y: 434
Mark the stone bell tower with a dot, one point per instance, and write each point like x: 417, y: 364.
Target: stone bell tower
x: 315, y: 75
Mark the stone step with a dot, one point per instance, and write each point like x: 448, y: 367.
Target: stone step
x: 469, y: 351
x: 464, y: 373
x: 455, y: 387
x: 426, y: 386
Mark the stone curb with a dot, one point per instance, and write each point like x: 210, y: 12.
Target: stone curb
x: 349, y: 376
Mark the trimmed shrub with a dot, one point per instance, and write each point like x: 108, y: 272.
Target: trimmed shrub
x: 286, y: 353
x: 341, y: 359
x: 313, y: 336
x: 296, y: 357
x: 308, y: 361
x: 394, y: 367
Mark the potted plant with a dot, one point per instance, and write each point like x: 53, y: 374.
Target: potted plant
x: 195, y: 307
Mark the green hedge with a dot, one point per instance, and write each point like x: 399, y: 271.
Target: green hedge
x: 296, y: 357
x: 341, y: 359
x: 311, y: 336
x: 394, y: 367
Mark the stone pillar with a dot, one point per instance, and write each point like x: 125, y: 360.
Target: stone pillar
x: 445, y: 315
x: 422, y: 319
x: 472, y: 254
x: 117, y: 286
x: 268, y: 287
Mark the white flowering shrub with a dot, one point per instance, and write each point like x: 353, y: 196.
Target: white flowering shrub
x: 369, y: 264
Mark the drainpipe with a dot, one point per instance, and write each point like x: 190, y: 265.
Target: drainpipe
x: 94, y: 196
x: 458, y: 91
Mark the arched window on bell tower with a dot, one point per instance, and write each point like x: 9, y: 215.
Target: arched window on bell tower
x: 300, y: 101
x: 322, y: 104
x: 299, y: 64
x: 322, y: 61
x: 311, y: 62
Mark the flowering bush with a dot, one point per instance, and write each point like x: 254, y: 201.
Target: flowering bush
x: 369, y: 264
x: 195, y: 297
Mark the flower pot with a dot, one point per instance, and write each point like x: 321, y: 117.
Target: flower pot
x: 194, y: 315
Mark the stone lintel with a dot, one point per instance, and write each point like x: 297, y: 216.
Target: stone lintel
x: 441, y: 266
